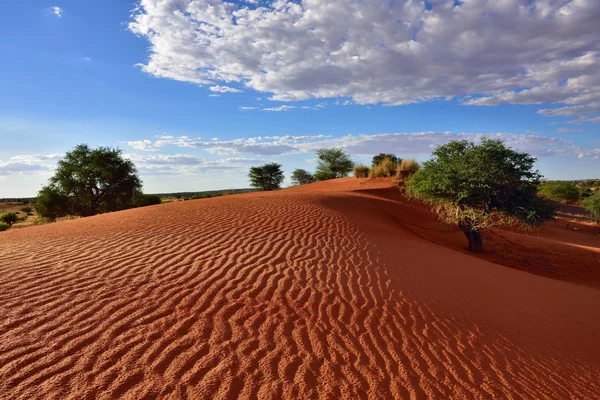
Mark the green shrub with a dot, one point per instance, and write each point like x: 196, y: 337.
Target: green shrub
x: 384, y: 169
x: 302, y: 177
x: 592, y: 205
x: 27, y: 210
x: 381, y: 156
x: 10, y: 219
x: 143, y: 200
x: 4, y: 227
x: 407, y: 169
x: 563, y: 192
x: 361, y: 171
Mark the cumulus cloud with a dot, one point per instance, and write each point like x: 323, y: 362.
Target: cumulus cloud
x: 407, y: 144
x: 371, y: 52
x: 186, y: 164
x: 28, y: 164
x: 55, y: 10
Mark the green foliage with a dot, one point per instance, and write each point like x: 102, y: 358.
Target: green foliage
x: 478, y: 186
x: 93, y: 181
x: 361, y: 171
x: 333, y: 163
x: 266, y: 177
x: 563, y: 192
x: 381, y: 156
x: 143, y: 200
x: 52, y: 204
x: 4, y: 227
x: 27, y: 210
x: 592, y: 204
x: 10, y: 219
x: 302, y: 177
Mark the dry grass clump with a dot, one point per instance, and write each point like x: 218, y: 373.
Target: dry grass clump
x: 361, y: 171
x: 385, y: 169
x: 407, y: 168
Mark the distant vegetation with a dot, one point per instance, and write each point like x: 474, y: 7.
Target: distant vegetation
x: 592, y: 204
x: 382, y: 156
x: 266, y: 177
x: 477, y: 186
x: 385, y: 168
x: 361, y: 171
x: 91, y: 181
x: 563, y: 192
x: 302, y: 177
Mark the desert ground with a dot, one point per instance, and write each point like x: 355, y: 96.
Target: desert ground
x: 341, y: 289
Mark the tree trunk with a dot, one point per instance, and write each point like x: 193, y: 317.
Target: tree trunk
x: 474, y: 236
x: 475, y: 240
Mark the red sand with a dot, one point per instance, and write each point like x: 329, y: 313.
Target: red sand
x: 339, y: 289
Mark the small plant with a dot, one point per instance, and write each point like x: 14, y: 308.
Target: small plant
x: 4, y: 227
x: 384, y: 169
x: 562, y: 192
x: 381, y: 156
x: 361, y: 171
x: 592, y: 204
x: 27, y: 210
x: 407, y: 169
x: 10, y: 219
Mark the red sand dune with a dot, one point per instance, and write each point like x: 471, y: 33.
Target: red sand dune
x: 337, y: 290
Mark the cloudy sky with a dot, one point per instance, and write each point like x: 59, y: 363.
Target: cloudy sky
x: 197, y: 91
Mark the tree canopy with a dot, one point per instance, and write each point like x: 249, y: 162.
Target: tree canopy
x: 478, y: 186
x: 89, y: 181
x: 592, y: 204
x: 266, y: 177
x: 9, y: 218
x: 302, y: 177
x: 333, y: 163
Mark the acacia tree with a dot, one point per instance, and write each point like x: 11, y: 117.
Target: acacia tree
x: 477, y: 186
x: 333, y: 163
x: 10, y: 219
x: 302, y: 177
x: 89, y: 181
x: 266, y: 177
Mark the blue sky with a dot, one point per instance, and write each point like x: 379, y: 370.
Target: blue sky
x: 196, y: 94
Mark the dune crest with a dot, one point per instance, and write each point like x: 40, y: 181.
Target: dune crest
x: 311, y: 292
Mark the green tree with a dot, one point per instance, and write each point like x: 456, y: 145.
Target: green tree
x: 89, y: 181
x: 10, y: 219
x: 478, y: 186
x: 381, y: 156
x: 302, y: 177
x: 333, y: 163
x: 564, y: 192
x: 266, y: 177
x: 592, y: 204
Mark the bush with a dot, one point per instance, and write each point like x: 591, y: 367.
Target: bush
x: 592, y: 205
x: 10, y: 219
x: 384, y: 169
x: 563, y: 192
x: 381, y: 156
x: 143, y: 200
x: 407, y: 169
x: 361, y: 171
x: 27, y: 210
x: 478, y: 186
x: 4, y: 227
x: 302, y: 177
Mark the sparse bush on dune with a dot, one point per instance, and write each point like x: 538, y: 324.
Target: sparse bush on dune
x: 4, y: 227
x: 592, y: 204
x: 361, y: 171
x: 143, y: 200
x: 381, y: 156
x: 333, y: 163
x: 384, y: 169
x: 302, y: 177
x: 407, y: 168
x: 562, y: 192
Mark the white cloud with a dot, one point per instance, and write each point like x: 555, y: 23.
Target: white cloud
x: 224, y: 89
x: 186, y: 164
x: 405, y: 144
x: 28, y: 164
x: 370, y: 52
x: 55, y: 10
x: 279, y: 108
